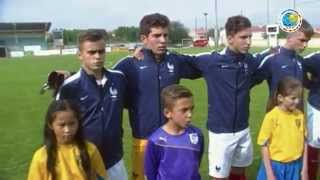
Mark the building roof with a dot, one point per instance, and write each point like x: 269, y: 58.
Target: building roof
x: 258, y: 28
x: 25, y: 27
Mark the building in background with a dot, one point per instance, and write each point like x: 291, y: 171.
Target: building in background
x: 23, y: 36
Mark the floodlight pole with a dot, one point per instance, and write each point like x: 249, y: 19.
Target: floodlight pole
x: 216, y: 33
x: 294, y: 4
x: 195, y: 24
x: 268, y: 11
x: 205, y: 23
x: 268, y: 20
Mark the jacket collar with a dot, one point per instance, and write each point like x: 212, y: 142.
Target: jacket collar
x: 91, y: 77
x: 234, y: 55
x: 149, y: 55
x: 288, y: 52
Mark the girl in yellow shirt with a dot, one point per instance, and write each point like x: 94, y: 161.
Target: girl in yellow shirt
x: 282, y: 135
x: 65, y: 155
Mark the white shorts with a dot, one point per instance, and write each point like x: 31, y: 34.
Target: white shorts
x: 117, y: 172
x: 313, y: 125
x: 228, y: 150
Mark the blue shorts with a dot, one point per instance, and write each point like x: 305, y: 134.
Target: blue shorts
x: 282, y: 171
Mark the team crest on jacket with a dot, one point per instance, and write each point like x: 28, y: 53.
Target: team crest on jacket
x: 170, y: 67
x: 194, y: 138
x: 113, y: 92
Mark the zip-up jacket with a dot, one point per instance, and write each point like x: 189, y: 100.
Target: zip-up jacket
x: 146, y: 78
x: 311, y: 64
x: 229, y: 77
x: 278, y: 65
x: 101, y: 108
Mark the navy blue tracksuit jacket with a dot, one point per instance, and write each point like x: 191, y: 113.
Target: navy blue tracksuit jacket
x: 311, y: 65
x: 101, y: 108
x: 146, y: 79
x: 229, y: 78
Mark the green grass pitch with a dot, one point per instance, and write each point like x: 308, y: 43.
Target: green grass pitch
x: 22, y: 110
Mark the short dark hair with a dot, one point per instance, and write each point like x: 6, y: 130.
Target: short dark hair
x: 170, y: 94
x: 91, y: 35
x: 236, y: 24
x: 153, y: 20
x: 306, y: 28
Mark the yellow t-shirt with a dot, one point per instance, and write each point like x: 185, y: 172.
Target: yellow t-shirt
x: 68, y: 163
x: 284, y: 133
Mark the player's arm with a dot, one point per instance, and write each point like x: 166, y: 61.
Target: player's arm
x: 200, y: 61
x: 65, y: 92
x: 304, y: 171
x: 124, y: 65
x: 187, y: 67
x: 262, y: 71
x: 98, y: 165
x: 190, y: 66
x: 309, y: 63
x: 263, y: 139
x: 151, y: 161
x: 266, y: 52
x: 262, y: 61
x: 267, y: 162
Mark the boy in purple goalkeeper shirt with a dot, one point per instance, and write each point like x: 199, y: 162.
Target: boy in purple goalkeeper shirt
x: 174, y: 151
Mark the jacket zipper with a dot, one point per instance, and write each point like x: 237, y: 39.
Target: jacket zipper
x: 159, y: 91
x: 236, y: 98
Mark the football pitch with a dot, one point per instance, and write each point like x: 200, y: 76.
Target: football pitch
x: 23, y: 109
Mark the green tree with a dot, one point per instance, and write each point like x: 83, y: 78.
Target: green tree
x: 282, y: 34
x: 127, y: 34
x: 177, y: 32
x: 70, y: 36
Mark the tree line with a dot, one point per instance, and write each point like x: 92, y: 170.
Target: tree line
x: 127, y: 34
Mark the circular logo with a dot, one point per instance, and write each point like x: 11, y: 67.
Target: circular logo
x: 290, y: 20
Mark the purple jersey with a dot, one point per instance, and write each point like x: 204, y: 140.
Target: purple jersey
x: 172, y: 157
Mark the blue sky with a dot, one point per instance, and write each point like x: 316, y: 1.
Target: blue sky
x: 109, y: 14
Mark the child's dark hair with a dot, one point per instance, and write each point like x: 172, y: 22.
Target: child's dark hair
x: 91, y: 35
x: 50, y: 141
x: 170, y: 94
x: 153, y: 20
x: 236, y: 24
x: 286, y: 86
